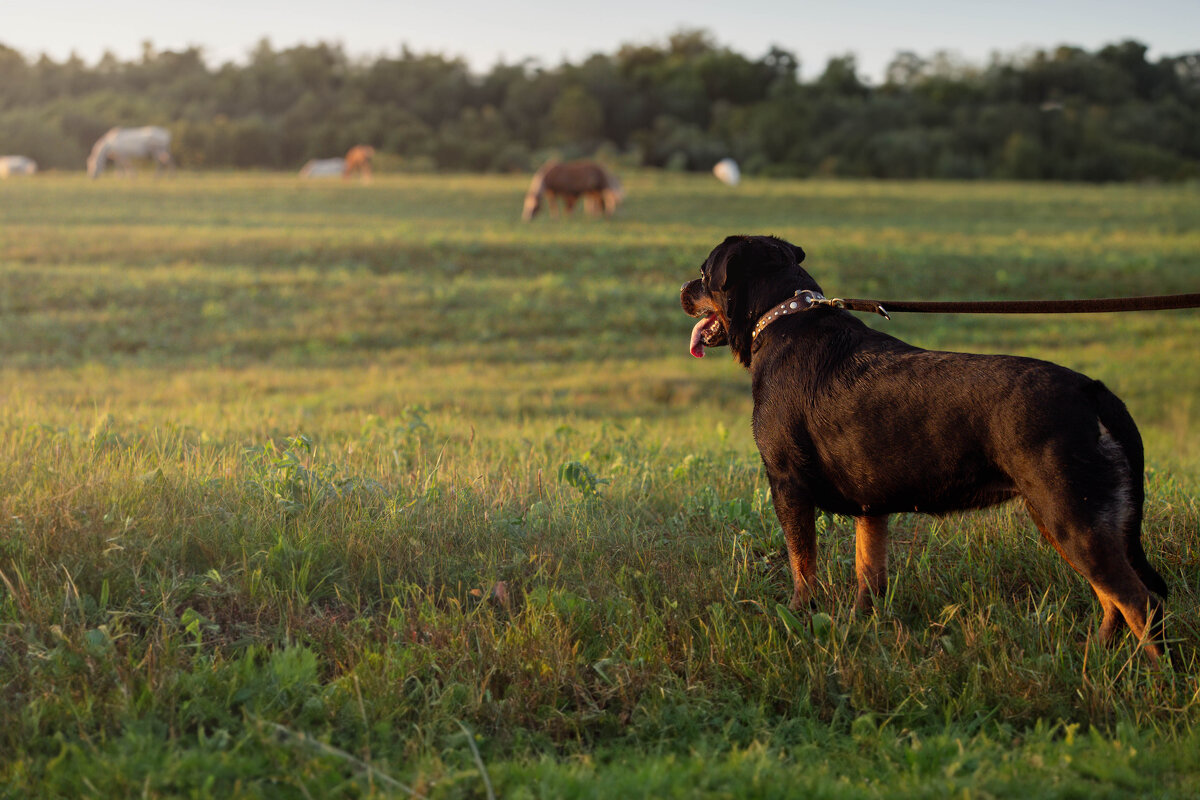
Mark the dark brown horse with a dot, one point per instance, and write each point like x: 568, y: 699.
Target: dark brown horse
x: 571, y: 180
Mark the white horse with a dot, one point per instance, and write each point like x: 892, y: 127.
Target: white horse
x: 17, y: 165
x: 323, y: 168
x: 123, y: 145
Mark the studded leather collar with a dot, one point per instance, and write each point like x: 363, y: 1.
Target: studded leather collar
x: 803, y: 300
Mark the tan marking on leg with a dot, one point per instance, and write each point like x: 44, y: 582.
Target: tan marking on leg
x: 870, y: 560
x: 802, y: 560
x: 1139, y: 613
x: 1113, y: 621
x: 800, y: 535
x: 1129, y: 604
x: 797, y: 517
x: 802, y: 591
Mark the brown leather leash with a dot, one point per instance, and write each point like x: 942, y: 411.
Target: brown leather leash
x: 806, y: 300
x: 1159, y: 302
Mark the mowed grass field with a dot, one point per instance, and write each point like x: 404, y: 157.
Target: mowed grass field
x: 332, y: 490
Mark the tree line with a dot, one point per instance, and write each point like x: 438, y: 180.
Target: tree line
x: 683, y: 103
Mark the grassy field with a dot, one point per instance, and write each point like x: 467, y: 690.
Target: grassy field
x: 328, y: 490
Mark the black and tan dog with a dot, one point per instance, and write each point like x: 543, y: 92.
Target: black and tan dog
x: 859, y: 423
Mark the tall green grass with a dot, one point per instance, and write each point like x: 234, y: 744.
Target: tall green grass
x: 330, y: 490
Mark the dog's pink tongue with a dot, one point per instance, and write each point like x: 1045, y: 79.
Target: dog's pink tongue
x: 697, y: 346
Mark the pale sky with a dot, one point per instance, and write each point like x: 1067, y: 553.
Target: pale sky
x: 487, y: 31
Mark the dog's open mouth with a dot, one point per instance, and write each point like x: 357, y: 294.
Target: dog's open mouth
x: 708, y: 333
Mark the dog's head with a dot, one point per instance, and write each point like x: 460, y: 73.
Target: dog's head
x: 741, y: 279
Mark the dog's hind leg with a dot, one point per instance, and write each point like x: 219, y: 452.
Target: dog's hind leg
x: 1119, y: 587
x: 870, y: 560
x: 1096, y: 551
x: 1121, y: 444
x: 1113, y: 621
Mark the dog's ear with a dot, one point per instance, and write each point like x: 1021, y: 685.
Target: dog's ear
x: 740, y: 258
x: 717, y: 273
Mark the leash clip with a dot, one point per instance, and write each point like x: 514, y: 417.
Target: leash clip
x: 812, y: 298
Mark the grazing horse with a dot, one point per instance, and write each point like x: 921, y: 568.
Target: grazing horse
x: 358, y: 159
x: 599, y: 188
x: 123, y: 145
x: 17, y: 165
x: 323, y: 168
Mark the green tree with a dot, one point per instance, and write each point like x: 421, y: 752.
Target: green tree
x: 576, y: 117
x: 1064, y: 114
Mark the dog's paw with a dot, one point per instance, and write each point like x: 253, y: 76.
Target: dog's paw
x: 802, y: 603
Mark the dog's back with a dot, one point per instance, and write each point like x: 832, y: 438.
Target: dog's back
x: 866, y: 404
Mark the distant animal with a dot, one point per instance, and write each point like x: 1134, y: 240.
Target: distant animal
x: 358, y: 159
x: 323, y: 168
x: 17, y: 165
x: 727, y: 172
x: 571, y: 180
x: 123, y: 145
x: 856, y: 422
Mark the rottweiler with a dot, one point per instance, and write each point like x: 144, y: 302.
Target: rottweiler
x: 856, y: 422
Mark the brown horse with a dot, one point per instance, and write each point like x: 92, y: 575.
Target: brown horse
x: 358, y: 159
x: 599, y: 188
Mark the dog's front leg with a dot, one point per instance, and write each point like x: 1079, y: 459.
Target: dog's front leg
x: 797, y: 516
x: 870, y: 560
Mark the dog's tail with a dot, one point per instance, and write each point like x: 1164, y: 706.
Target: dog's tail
x: 1116, y: 419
